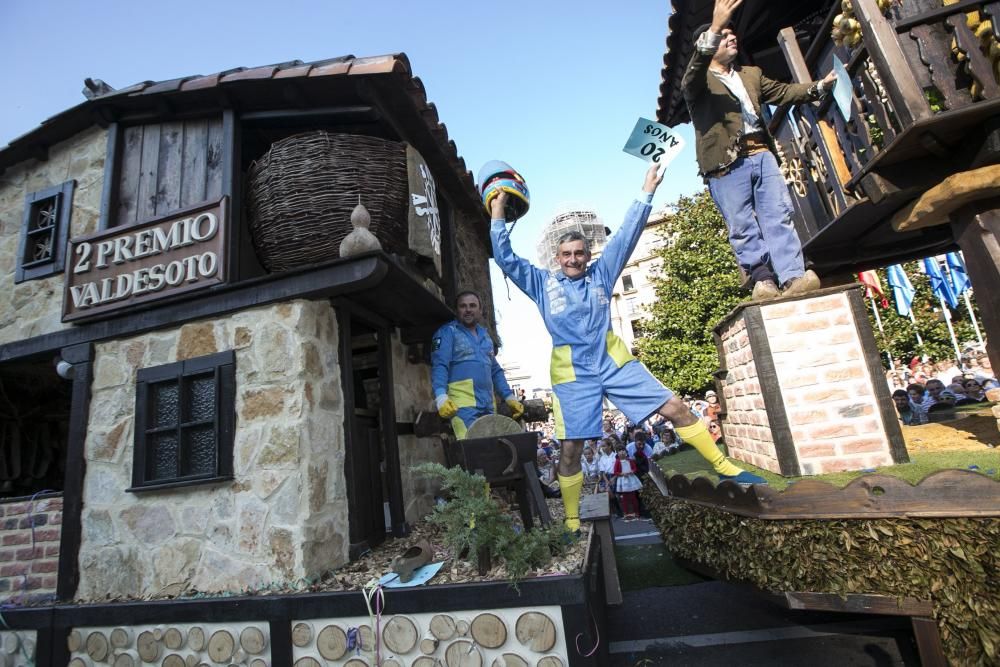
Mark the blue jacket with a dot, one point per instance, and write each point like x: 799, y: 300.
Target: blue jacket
x: 464, y: 368
x: 577, y: 312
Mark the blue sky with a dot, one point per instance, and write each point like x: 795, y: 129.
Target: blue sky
x: 551, y: 87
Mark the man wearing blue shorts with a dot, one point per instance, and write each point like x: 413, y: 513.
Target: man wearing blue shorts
x: 589, y: 361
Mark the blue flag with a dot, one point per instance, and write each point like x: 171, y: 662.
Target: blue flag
x: 959, y: 277
x: 902, y: 289
x: 940, y: 286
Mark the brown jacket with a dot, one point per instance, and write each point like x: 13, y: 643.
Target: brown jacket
x: 715, y: 112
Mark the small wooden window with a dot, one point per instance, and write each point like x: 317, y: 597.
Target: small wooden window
x: 627, y: 283
x: 44, y: 232
x: 184, y: 417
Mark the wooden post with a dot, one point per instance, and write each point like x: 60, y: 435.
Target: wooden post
x: 977, y: 231
x: 793, y: 55
x: 893, y: 68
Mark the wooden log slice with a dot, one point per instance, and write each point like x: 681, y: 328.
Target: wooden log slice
x: 366, y: 636
x: 443, y: 627
x: 462, y: 653
x: 462, y: 628
x: 148, y: 647
x: 536, y: 631
x: 173, y: 638
x: 400, y: 635
x: 302, y: 634
x: 307, y: 662
x: 356, y: 662
x: 6, y: 659
x: 221, y: 646
x: 252, y: 640
x: 121, y: 638
x: 258, y: 662
x: 125, y: 660
x: 191, y: 660
x: 74, y: 641
x: 196, y: 639
x: 428, y: 645
x: 425, y: 661
x: 97, y: 646
x: 81, y: 661
x: 391, y: 662
x: 28, y: 648
x: 550, y: 661
x: 173, y: 660
x: 11, y: 641
x: 510, y: 660
x: 489, y: 630
x: 332, y: 642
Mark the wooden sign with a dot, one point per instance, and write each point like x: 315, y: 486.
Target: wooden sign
x: 424, y: 216
x: 127, y: 266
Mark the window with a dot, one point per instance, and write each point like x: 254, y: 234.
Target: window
x: 184, y: 416
x: 632, y: 306
x: 44, y: 232
x: 627, y: 284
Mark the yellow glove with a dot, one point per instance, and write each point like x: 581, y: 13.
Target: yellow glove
x: 516, y: 408
x: 447, y: 408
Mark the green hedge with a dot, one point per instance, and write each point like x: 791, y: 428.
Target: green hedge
x: 955, y: 563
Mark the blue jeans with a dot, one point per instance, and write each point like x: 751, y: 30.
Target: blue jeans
x: 754, y: 201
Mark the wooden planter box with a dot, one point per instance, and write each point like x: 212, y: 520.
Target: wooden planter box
x: 285, y: 630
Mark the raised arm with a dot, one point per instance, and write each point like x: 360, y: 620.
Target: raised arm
x: 693, y: 84
x: 527, y: 277
x: 622, y: 244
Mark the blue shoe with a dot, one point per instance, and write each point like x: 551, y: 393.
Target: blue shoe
x: 744, y: 478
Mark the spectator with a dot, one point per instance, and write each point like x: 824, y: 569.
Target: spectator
x: 640, y: 452
x: 714, y: 408
x: 627, y: 485
x: 909, y: 414
x: 606, y: 464
x: 937, y: 394
x: 589, y: 465
x: 974, y: 391
x: 918, y: 395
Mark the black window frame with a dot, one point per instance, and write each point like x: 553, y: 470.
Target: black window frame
x: 630, y: 285
x: 62, y: 197
x: 223, y: 367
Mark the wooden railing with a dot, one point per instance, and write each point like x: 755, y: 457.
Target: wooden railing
x: 920, y: 62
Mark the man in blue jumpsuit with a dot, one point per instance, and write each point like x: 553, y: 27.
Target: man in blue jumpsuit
x: 464, y: 369
x: 588, y: 360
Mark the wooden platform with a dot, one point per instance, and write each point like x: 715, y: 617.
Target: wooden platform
x: 943, y: 494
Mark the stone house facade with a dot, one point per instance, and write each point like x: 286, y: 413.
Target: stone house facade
x: 223, y: 435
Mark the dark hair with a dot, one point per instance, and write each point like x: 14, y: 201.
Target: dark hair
x: 917, y: 387
x: 468, y: 292
x: 900, y: 392
x: 705, y: 26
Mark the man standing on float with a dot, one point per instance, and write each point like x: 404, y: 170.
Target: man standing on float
x: 589, y: 361
x: 735, y: 152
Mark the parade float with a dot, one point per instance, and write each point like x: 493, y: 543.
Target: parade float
x: 905, y: 167
x: 218, y: 292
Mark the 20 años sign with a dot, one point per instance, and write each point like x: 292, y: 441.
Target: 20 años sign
x: 124, y: 267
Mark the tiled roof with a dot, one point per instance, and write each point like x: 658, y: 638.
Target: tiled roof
x: 261, y: 87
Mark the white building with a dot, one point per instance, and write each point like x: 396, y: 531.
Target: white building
x: 634, y: 294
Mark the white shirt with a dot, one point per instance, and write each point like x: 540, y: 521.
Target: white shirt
x: 709, y: 42
x: 606, y: 463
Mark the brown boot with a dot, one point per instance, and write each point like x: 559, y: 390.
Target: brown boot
x: 807, y: 282
x: 765, y: 289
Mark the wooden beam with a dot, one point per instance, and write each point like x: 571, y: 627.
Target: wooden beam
x: 893, y: 68
x: 854, y: 603
x: 977, y: 230
x: 390, y: 439
x: 793, y: 55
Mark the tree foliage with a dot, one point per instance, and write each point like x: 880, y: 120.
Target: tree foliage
x: 697, y: 285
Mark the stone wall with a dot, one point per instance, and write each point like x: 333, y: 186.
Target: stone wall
x: 817, y: 382
x: 746, y: 426
x: 472, y: 263
x: 413, y: 393
x: 34, y: 307
x: 283, y: 517
x: 29, y: 547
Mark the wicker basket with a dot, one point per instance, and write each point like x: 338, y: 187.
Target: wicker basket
x: 302, y: 192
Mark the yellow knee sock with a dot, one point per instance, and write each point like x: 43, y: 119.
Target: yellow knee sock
x: 697, y: 436
x: 570, y: 488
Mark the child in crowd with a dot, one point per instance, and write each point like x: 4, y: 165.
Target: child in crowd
x: 627, y: 485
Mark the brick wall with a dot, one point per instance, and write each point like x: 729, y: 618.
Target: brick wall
x: 747, y: 427
x: 820, y: 382
x: 28, y: 564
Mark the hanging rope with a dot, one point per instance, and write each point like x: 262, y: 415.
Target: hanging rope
x: 374, y: 596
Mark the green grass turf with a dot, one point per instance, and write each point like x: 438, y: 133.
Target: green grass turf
x: 650, y: 565
x: 689, y: 462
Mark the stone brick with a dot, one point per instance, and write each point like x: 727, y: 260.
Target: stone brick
x: 808, y: 416
x: 822, y: 304
x: 806, y: 325
x: 778, y: 311
x: 33, y: 520
x: 825, y: 394
x: 13, y: 570
x: 804, y: 379
x: 16, y: 538
x: 840, y: 374
x: 816, y: 451
x: 862, y: 445
x: 47, y: 535
x: 263, y: 403
x: 6, y: 555
x: 996, y: 411
x: 993, y: 395
x: 833, y: 431
x: 843, y: 318
x: 196, y: 340
x: 29, y: 553
x: 840, y: 465
x: 40, y: 566
x: 856, y: 410
x: 16, y: 508
x: 842, y: 336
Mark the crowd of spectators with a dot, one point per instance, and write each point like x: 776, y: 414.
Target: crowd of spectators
x: 923, y: 390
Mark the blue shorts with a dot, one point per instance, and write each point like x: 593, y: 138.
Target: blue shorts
x: 578, y: 406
